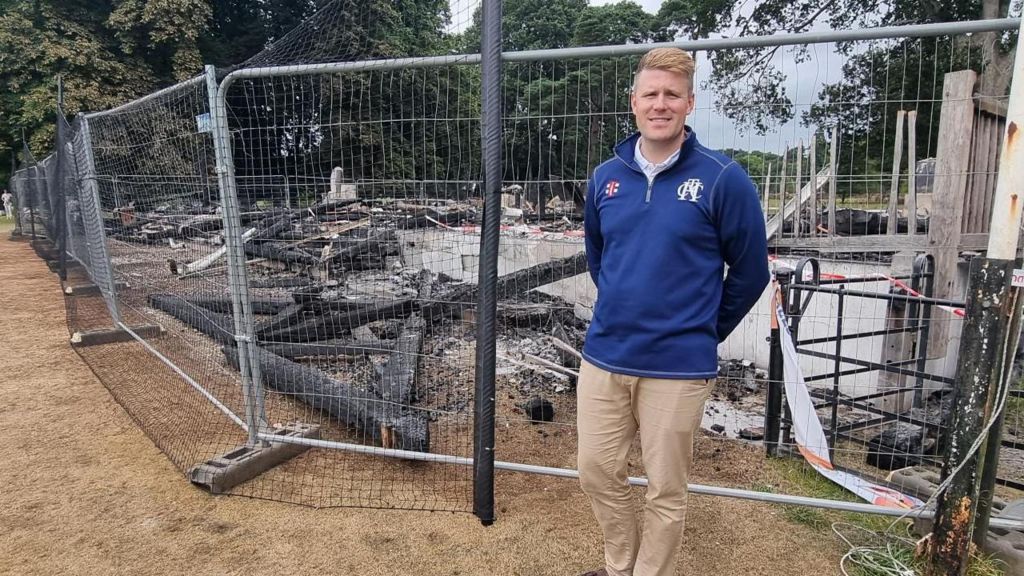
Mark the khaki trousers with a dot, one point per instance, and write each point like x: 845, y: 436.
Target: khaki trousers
x: 611, y: 409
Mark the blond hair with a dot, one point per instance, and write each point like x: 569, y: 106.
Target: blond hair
x: 669, y: 59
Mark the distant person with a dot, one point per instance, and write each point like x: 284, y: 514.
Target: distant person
x: 663, y: 219
x: 8, y: 199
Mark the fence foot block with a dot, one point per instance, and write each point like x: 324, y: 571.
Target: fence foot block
x: 41, y: 243
x: 69, y: 264
x: 1006, y: 545
x: 228, y: 470
x: 88, y: 289
x: 44, y: 248
x: 113, y: 335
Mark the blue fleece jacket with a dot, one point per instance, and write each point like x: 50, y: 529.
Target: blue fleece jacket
x: 657, y: 253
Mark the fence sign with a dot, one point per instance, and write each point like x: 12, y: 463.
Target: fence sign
x: 203, y: 123
x: 1018, y: 278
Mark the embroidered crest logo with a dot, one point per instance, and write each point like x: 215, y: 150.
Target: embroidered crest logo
x: 690, y: 190
x: 611, y: 188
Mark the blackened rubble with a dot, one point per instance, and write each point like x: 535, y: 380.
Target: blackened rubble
x: 344, y: 324
x: 738, y: 379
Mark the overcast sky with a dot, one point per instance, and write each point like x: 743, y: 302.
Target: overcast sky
x: 804, y: 80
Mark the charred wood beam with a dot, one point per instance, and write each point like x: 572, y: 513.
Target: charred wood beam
x: 220, y: 327
x: 398, y: 379
x: 292, y: 314
x: 428, y: 218
x: 337, y: 324
x: 340, y: 217
x: 377, y: 245
x: 330, y: 348
x: 568, y: 353
x: 327, y: 206
x: 279, y: 282
x: 533, y: 315
x: 198, y: 225
x: 292, y: 236
x: 343, y: 305
x: 307, y: 293
x: 274, y: 251
x: 508, y: 286
x: 369, y: 262
x: 301, y: 312
x: 260, y: 218
x: 271, y: 227
x: 383, y: 422
x: 222, y: 304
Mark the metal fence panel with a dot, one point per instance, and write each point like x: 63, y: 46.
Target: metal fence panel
x: 348, y: 276
x: 828, y: 150
x: 358, y: 196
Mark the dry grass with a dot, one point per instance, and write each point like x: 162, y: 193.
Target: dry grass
x: 84, y: 491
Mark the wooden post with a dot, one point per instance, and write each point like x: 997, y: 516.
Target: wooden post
x: 782, y: 194
x: 814, y: 186
x: 984, y: 376
x: 896, y: 347
x: 956, y: 124
x: 832, y: 161
x: 767, y: 192
x: 799, y: 189
x: 912, y: 173
x: 983, y: 162
x: 894, y: 189
x: 981, y: 367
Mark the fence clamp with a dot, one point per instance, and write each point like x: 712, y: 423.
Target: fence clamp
x: 243, y: 338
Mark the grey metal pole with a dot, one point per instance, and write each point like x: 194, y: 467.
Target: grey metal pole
x: 238, y: 281
x: 992, y: 308
x: 59, y: 214
x: 102, y: 268
x: 29, y: 185
x: 18, y: 194
x: 483, y: 437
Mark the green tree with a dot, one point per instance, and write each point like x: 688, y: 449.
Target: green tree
x: 112, y: 51
x: 164, y: 33
x: 41, y: 40
x: 750, y: 90
x: 562, y: 117
x: 377, y: 126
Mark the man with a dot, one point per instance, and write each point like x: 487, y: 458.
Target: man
x: 663, y: 218
x: 8, y: 200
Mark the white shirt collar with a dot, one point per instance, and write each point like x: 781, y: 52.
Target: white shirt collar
x: 649, y: 168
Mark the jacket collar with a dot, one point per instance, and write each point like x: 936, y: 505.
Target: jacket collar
x: 625, y: 150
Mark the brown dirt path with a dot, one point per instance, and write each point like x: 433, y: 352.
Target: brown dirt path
x: 83, y: 491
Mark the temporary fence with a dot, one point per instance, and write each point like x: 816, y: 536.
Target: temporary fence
x: 286, y: 268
